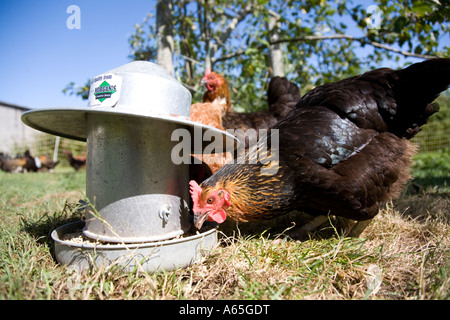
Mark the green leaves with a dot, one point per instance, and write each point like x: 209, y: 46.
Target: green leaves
x: 235, y: 37
x: 422, y: 8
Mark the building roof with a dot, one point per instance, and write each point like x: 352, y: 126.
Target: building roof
x: 10, y: 105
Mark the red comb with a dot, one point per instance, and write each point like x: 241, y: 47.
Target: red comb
x: 207, y: 71
x: 195, y: 190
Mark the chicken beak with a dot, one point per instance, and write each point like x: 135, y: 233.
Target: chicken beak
x: 200, y: 218
x: 203, y: 81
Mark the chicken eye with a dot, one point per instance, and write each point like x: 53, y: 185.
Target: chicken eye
x: 210, y: 200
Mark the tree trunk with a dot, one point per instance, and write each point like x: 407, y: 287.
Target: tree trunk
x: 275, y: 51
x: 164, y: 55
x: 207, y: 35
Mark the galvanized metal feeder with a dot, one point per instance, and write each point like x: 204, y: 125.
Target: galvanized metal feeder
x: 140, y: 197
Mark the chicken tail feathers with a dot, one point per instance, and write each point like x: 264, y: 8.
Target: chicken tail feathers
x: 396, y: 101
x: 282, y: 95
x: 414, y: 91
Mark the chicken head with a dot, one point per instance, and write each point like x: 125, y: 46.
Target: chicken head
x: 211, y: 80
x: 208, y: 205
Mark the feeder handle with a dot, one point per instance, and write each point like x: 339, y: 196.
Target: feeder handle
x: 165, y: 211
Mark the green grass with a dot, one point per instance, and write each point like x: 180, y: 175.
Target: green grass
x: 397, y: 257
x: 432, y: 169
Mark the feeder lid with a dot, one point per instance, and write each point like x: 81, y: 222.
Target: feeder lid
x: 137, y: 89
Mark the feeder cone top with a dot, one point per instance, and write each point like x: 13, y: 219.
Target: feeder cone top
x: 137, y: 89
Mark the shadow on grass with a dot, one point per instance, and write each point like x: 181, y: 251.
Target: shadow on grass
x: 42, y: 228
x: 423, y: 198
x: 286, y: 226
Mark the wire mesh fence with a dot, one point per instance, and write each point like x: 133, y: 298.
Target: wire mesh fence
x: 49, y: 145
x: 434, y: 136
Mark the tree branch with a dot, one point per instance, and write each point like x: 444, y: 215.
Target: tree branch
x: 330, y: 37
x: 361, y: 40
x: 228, y: 56
x: 221, y: 40
x: 235, y: 21
x: 191, y: 59
x: 405, y: 53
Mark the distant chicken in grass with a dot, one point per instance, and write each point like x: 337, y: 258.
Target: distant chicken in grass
x: 44, y: 163
x: 76, y: 162
x: 22, y: 163
x: 12, y: 165
x: 343, y: 150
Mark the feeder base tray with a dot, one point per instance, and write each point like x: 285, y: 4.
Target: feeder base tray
x: 147, y: 256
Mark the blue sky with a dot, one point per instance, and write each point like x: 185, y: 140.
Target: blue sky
x: 39, y: 55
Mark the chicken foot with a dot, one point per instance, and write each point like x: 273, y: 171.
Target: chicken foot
x: 352, y: 228
x: 304, y: 231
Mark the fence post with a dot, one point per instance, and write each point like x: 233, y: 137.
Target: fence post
x: 55, y: 150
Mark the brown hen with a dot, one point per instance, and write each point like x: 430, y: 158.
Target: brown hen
x: 343, y: 150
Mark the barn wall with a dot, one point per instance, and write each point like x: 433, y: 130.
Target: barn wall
x: 13, y: 132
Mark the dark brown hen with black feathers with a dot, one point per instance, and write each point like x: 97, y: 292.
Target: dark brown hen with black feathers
x: 75, y: 162
x: 282, y: 95
x: 342, y: 150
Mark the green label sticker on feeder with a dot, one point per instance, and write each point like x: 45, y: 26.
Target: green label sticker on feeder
x: 105, y: 90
